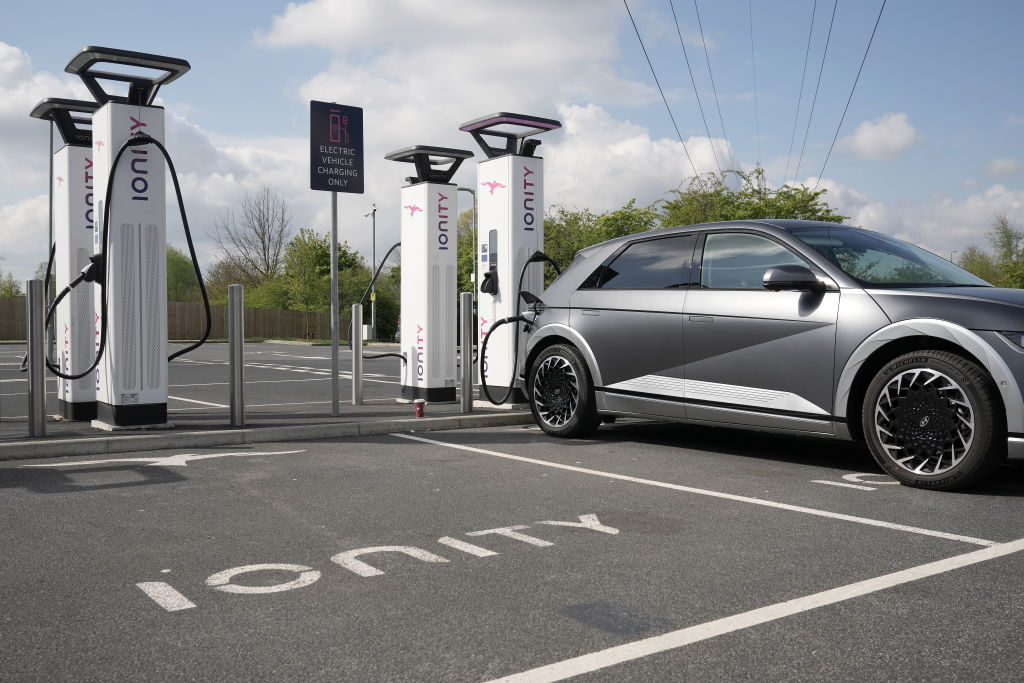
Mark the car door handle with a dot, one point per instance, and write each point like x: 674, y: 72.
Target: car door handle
x: 702, y: 319
x: 590, y: 311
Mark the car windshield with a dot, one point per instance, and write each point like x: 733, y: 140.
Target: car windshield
x: 881, y: 261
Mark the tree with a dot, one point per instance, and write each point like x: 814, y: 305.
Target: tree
x: 1004, y: 267
x: 253, y: 242
x: 465, y: 250
x: 307, y: 271
x: 9, y: 287
x: 979, y: 262
x: 182, y: 284
x: 566, y: 231
x: 709, y: 198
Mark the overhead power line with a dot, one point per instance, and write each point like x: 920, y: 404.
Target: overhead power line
x: 815, y: 100
x: 663, y: 98
x: 848, y: 99
x: 800, y: 97
x: 753, y: 68
x: 713, y: 88
x: 694, y: 82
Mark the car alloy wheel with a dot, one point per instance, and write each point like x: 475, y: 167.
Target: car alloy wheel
x: 924, y: 421
x: 556, y: 391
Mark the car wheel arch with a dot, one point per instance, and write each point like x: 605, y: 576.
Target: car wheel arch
x: 561, y: 334
x: 919, y: 335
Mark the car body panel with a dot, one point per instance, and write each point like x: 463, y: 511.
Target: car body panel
x: 778, y: 361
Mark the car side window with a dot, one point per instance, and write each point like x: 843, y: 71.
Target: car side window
x: 649, y: 264
x: 737, y: 260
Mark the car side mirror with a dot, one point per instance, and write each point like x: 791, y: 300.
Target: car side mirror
x: 790, y: 277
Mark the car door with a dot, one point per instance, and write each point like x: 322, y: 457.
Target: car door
x: 754, y: 356
x: 629, y: 311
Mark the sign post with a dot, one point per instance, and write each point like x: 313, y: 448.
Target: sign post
x: 335, y: 165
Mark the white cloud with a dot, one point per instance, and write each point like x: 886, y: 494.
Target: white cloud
x: 940, y: 225
x: 1004, y: 166
x: 887, y: 137
x: 600, y: 162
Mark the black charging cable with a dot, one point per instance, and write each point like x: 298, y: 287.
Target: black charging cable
x: 537, y: 257
x: 96, y: 270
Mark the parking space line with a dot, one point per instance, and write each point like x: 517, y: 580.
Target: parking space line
x: 202, y: 403
x: 713, y: 494
x: 737, y: 622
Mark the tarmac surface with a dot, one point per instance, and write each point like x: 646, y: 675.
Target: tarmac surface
x: 645, y: 552
x: 287, y: 394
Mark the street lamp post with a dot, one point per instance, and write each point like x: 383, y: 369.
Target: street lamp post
x: 373, y: 271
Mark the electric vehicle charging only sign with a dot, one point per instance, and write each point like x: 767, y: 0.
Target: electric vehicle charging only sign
x: 335, y: 147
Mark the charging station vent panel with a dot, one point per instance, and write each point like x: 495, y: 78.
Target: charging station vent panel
x: 128, y: 328
x: 151, y: 256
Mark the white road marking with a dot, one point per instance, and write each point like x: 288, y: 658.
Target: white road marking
x: 586, y: 522
x: 165, y: 596
x: 669, y: 641
x: 221, y: 581
x: 713, y: 494
x: 348, y: 559
x: 179, y: 460
x: 513, y: 532
x: 202, y: 403
x: 839, y: 483
x: 858, y: 478
x: 465, y: 547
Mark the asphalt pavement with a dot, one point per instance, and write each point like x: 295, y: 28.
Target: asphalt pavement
x: 645, y: 552
x: 287, y: 395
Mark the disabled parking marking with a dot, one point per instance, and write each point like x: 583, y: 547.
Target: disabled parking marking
x: 714, y: 494
x: 675, y: 639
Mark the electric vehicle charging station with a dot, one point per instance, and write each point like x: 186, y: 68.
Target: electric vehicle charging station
x: 511, y: 230
x: 428, y: 301
x: 131, y: 378
x: 74, y: 215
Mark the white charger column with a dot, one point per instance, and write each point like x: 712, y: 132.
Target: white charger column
x: 510, y: 201
x: 131, y: 379
x: 74, y: 216
x: 429, y: 244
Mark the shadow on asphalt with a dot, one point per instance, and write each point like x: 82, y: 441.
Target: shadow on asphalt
x: 68, y: 480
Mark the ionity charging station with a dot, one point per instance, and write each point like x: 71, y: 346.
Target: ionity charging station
x: 428, y: 228
x: 131, y: 378
x: 74, y: 216
x: 510, y: 202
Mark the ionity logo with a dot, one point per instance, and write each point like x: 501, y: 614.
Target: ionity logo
x: 412, y: 209
x: 493, y: 185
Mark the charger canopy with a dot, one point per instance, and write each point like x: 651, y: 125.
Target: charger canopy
x: 514, y: 130
x: 431, y: 162
x: 143, y: 83
x: 73, y: 118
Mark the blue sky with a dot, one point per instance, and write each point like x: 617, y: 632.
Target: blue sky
x: 930, y: 150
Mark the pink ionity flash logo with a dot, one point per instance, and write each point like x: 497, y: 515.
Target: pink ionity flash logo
x: 60, y: 181
x: 98, y: 144
x: 493, y: 185
x: 412, y: 209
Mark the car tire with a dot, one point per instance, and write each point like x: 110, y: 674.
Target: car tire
x: 561, y: 392
x: 933, y: 419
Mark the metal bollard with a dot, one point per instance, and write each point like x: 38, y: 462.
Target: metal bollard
x: 35, y: 317
x: 466, y: 350
x: 357, y: 354
x: 236, y: 354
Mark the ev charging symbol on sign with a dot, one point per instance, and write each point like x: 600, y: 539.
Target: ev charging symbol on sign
x: 335, y: 147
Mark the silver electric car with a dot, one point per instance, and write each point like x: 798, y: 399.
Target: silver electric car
x: 789, y: 326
